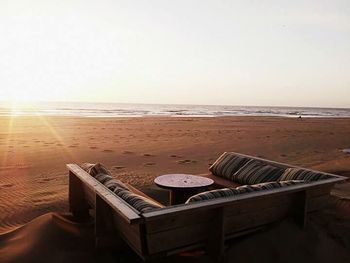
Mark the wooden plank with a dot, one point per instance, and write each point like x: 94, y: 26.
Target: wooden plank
x: 322, y: 190
x: 190, y: 217
x: 154, y: 215
x: 255, y: 218
x: 176, y: 238
x: 186, y: 229
x: 105, y: 232
x: 130, y: 233
x: 318, y: 203
x: 301, y: 208
x: 175, y: 221
x: 189, y: 233
x: 89, y: 196
x: 216, y: 236
x: 245, y: 206
x: 120, y: 206
x: 78, y: 205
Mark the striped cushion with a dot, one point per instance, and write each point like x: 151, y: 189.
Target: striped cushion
x: 254, y: 172
x: 227, y: 164
x: 95, y: 169
x: 226, y: 192
x: 103, y: 178
x: 112, y: 184
x: 101, y: 174
x: 302, y: 174
x: 140, y: 203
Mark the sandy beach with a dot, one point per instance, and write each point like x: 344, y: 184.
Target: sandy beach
x: 34, y: 151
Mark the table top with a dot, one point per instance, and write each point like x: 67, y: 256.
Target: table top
x: 182, y: 181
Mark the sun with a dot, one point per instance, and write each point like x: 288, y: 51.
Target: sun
x: 18, y: 107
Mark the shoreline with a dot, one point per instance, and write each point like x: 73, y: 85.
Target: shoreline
x: 178, y: 116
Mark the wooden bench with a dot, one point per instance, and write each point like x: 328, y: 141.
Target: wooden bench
x: 179, y: 228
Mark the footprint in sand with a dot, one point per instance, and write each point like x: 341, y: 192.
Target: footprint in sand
x: 93, y: 147
x: 148, y: 155
x: 149, y: 164
x: 6, y: 185
x: 283, y: 155
x: 118, y: 167
x: 187, y: 161
x: 45, y: 180
x: 108, y: 151
x: 128, y: 152
x: 175, y: 156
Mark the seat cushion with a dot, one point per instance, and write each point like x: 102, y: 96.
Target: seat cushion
x: 113, y: 183
x: 226, y: 192
x: 101, y: 174
x: 302, y: 174
x: 95, y: 168
x: 227, y: 164
x: 254, y: 172
x: 140, y: 203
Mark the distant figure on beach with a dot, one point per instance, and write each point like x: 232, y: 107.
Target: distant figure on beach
x: 299, y: 117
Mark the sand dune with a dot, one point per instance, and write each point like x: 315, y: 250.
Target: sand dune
x: 49, y: 238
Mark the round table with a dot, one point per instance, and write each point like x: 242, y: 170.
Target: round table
x: 182, y: 186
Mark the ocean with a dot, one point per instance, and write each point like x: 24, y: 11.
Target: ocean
x: 140, y: 110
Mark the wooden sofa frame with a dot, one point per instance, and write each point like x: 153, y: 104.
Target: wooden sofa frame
x: 206, y: 224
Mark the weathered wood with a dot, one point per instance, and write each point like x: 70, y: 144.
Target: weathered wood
x: 235, y: 208
x: 216, y: 236
x: 301, y: 208
x: 119, y: 205
x: 319, y: 191
x: 182, y: 186
x: 89, y: 196
x: 175, y: 221
x: 182, y: 181
x: 177, y: 238
x: 318, y: 203
x: 210, y: 204
x: 131, y: 234
x: 78, y: 205
x: 105, y: 232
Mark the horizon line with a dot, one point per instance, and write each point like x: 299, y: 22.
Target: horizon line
x: 179, y: 104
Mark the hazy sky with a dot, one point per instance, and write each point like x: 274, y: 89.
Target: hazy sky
x: 293, y: 53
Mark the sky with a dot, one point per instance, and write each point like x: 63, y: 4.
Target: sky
x: 265, y: 53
